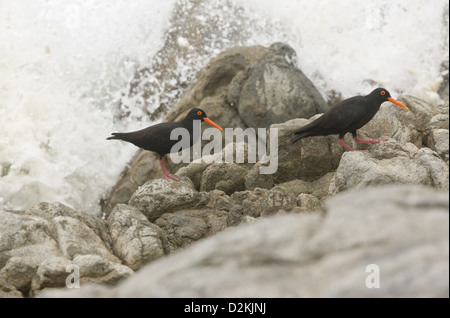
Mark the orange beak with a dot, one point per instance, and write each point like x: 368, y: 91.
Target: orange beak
x: 209, y: 121
x: 393, y: 101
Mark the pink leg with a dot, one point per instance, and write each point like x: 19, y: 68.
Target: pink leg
x: 362, y: 141
x: 343, y: 144
x: 167, y: 175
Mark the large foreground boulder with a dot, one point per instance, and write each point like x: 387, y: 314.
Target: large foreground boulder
x: 388, y: 241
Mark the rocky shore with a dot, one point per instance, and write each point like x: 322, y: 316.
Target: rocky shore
x: 225, y: 230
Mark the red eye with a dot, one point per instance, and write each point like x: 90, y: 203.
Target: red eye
x: 199, y: 113
x: 383, y: 93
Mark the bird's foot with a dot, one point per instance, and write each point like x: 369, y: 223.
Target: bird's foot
x: 343, y: 144
x: 171, y: 176
x: 363, y: 141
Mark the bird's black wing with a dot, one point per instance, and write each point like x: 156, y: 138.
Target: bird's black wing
x: 337, y: 120
x: 345, y: 114
x: 154, y: 138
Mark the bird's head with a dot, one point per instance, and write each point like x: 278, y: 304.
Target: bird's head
x: 199, y: 114
x: 382, y: 95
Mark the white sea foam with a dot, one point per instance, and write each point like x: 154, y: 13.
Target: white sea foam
x: 350, y: 45
x: 61, y: 65
x: 64, y: 64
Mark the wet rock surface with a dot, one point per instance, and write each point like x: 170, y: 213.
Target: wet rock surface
x: 332, y: 253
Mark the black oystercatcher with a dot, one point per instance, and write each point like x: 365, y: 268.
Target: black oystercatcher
x: 348, y: 116
x: 157, y: 137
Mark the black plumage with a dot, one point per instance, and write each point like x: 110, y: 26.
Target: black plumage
x: 348, y: 116
x: 156, y: 138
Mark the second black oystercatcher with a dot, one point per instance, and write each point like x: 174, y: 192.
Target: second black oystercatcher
x: 348, y: 116
x: 157, y: 137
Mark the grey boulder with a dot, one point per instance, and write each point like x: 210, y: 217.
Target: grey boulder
x: 389, y: 241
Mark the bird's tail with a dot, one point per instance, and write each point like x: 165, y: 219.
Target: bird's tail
x: 115, y: 136
x: 300, y: 135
